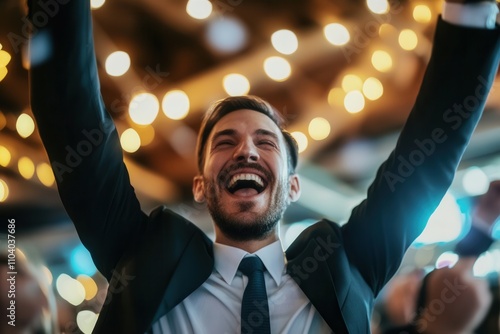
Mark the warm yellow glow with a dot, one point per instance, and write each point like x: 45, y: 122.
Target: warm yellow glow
x: 236, y: 84
x: 3, y: 72
x: 351, y: 82
x: 422, y: 14
x: 336, y: 34
x: 5, y: 58
x: 45, y: 174
x: 373, y: 88
x: 277, y: 68
x: 408, y: 39
x: 26, y: 167
x: 285, y: 41
x: 336, y: 97
x: 3, y: 120
x: 354, y: 101
x: 130, y: 140
x: 25, y: 125
x: 4, y: 156
x: 301, y: 139
x: 147, y: 134
x: 319, y: 128
x: 70, y: 289
x: 117, y: 63
x: 4, y: 190
x: 144, y: 108
x: 378, y: 6
x: 96, y: 4
x: 386, y: 30
x: 199, y: 9
x: 89, y: 285
x: 175, y: 104
x: 381, y: 61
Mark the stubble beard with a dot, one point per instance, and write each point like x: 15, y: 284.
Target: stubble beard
x: 260, y: 227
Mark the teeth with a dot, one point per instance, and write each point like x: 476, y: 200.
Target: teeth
x: 246, y: 177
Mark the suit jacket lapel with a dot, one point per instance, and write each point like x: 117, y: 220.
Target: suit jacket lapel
x: 308, y: 264
x: 171, y: 250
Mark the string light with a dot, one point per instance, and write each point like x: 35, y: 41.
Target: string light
x: 336, y: 34
x: 236, y: 84
x: 175, y: 104
x: 285, y: 41
x: 277, y: 68
x: 117, y: 63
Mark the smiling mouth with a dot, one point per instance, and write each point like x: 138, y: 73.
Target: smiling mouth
x: 246, y: 181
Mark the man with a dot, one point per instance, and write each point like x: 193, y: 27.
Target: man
x: 166, y: 276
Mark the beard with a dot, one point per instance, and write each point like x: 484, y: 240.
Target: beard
x: 260, y: 226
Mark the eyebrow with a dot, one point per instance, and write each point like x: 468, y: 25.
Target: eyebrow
x: 232, y: 132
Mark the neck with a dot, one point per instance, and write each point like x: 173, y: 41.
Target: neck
x: 250, y: 246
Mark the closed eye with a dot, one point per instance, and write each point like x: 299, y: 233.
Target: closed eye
x: 224, y: 143
x: 266, y: 143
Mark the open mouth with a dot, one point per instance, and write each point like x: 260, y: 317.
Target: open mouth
x: 246, y: 182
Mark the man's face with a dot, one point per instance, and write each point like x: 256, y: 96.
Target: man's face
x: 245, y: 180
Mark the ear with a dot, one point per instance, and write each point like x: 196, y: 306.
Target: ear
x: 294, y: 191
x: 199, y: 189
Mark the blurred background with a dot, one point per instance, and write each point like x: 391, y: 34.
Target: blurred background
x: 345, y: 74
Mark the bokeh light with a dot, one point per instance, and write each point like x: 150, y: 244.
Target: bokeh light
x: 475, y: 181
x: 319, y: 128
x: 336, y: 34
x: 381, y: 61
x: 378, y: 6
x: 130, y: 140
x: 354, y: 101
x: 175, y: 104
x: 4, y: 190
x: 422, y: 14
x: 5, y: 156
x: 70, y: 289
x: 25, y: 125
x: 301, y: 139
x: 144, y: 108
x: 117, y: 63
x: 26, y: 167
x: 285, y: 41
x: 199, y: 9
x: 236, y: 84
x: 373, y: 88
x: 96, y: 4
x: 277, y: 68
x: 408, y: 39
x: 45, y: 174
x: 351, y: 82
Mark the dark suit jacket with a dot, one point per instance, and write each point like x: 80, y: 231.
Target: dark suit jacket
x: 154, y: 262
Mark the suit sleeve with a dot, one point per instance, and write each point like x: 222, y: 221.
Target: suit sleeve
x: 410, y: 184
x: 77, y: 132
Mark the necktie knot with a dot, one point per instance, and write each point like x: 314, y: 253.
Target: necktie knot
x: 251, y: 264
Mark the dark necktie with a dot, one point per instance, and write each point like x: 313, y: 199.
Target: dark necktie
x: 254, y: 307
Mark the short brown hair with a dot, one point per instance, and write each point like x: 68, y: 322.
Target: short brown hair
x: 233, y: 103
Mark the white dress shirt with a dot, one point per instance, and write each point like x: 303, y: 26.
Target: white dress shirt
x: 215, y: 307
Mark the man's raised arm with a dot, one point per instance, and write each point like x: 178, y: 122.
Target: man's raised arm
x: 77, y: 132
x: 412, y: 181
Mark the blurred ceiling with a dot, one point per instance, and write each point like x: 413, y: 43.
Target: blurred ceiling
x: 169, y: 50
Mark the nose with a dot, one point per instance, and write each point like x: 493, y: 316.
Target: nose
x: 246, y: 151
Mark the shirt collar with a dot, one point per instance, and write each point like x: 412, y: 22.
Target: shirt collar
x: 227, y: 260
